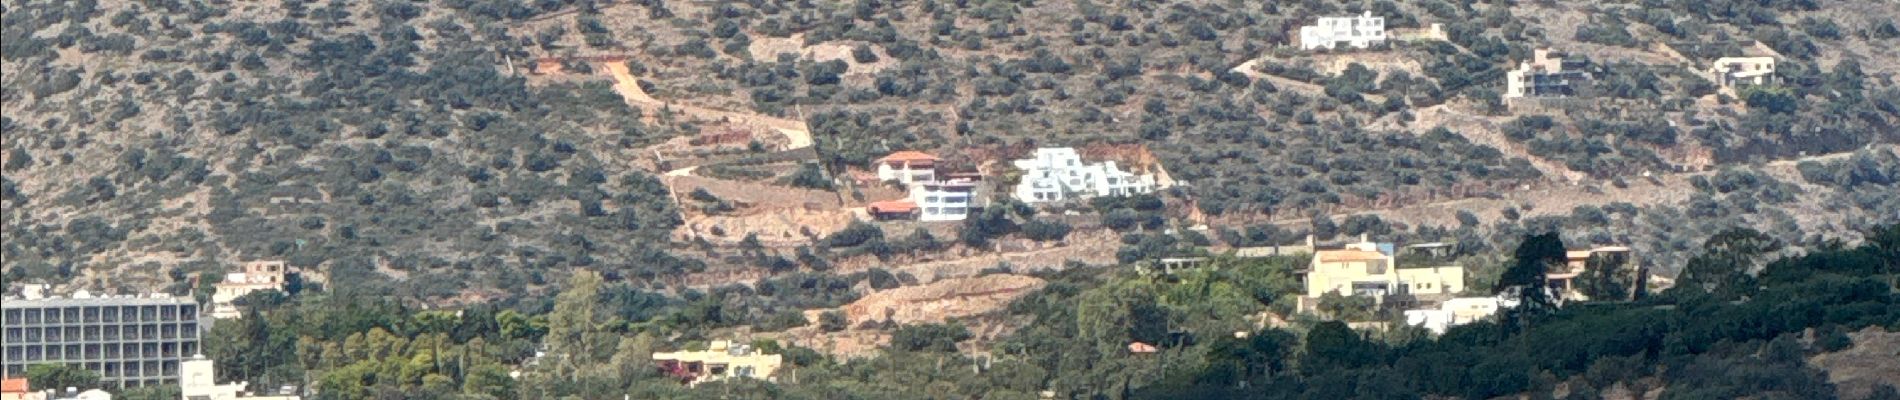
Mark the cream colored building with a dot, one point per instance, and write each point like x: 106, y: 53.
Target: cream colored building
x: 257, y: 275
x: 1364, y: 269
x: 199, y: 383
x: 907, y: 166
x: 720, y: 360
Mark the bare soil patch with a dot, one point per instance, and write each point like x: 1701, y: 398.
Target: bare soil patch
x: 1857, y: 370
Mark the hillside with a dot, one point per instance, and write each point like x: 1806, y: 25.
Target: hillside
x: 647, y: 174
x: 149, y: 141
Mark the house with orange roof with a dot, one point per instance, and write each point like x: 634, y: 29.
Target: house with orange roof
x: 907, y: 167
x: 892, y: 209
x: 14, y: 389
x: 1369, y: 269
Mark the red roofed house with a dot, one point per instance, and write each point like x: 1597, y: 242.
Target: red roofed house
x: 907, y: 166
x: 13, y: 389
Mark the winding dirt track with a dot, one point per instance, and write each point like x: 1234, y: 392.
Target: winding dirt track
x: 797, y: 135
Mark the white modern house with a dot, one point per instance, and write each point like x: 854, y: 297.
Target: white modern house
x: 1332, y: 32
x: 1458, y: 311
x: 907, y: 167
x: 943, y: 200
x: 1057, y: 174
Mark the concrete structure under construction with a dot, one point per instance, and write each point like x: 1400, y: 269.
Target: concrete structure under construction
x: 129, y: 340
x: 1730, y: 73
x: 257, y: 276
x: 1545, y: 75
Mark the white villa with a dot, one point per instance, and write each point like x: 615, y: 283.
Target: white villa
x: 1058, y: 173
x: 942, y: 200
x: 1331, y: 32
x: 1458, y: 311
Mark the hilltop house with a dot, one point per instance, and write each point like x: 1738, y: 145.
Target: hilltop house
x: 907, y: 167
x: 1731, y: 73
x: 720, y: 360
x: 257, y: 275
x: 1057, y: 174
x: 1545, y: 76
x: 1332, y: 32
x: 1369, y: 269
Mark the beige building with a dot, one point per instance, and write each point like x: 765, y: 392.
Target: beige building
x: 1369, y: 269
x: 257, y: 275
x: 199, y: 383
x: 720, y: 360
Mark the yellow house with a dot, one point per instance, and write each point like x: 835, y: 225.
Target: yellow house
x: 1364, y: 269
x: 720, y: 360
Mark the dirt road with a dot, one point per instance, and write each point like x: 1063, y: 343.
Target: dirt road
x: 797, y: 135
x: 1248, y: 68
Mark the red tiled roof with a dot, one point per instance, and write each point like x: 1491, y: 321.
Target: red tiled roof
x: 893, y: 206
x: 14, y: 385
x: 1139, y: 347
x: 908, y: 155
